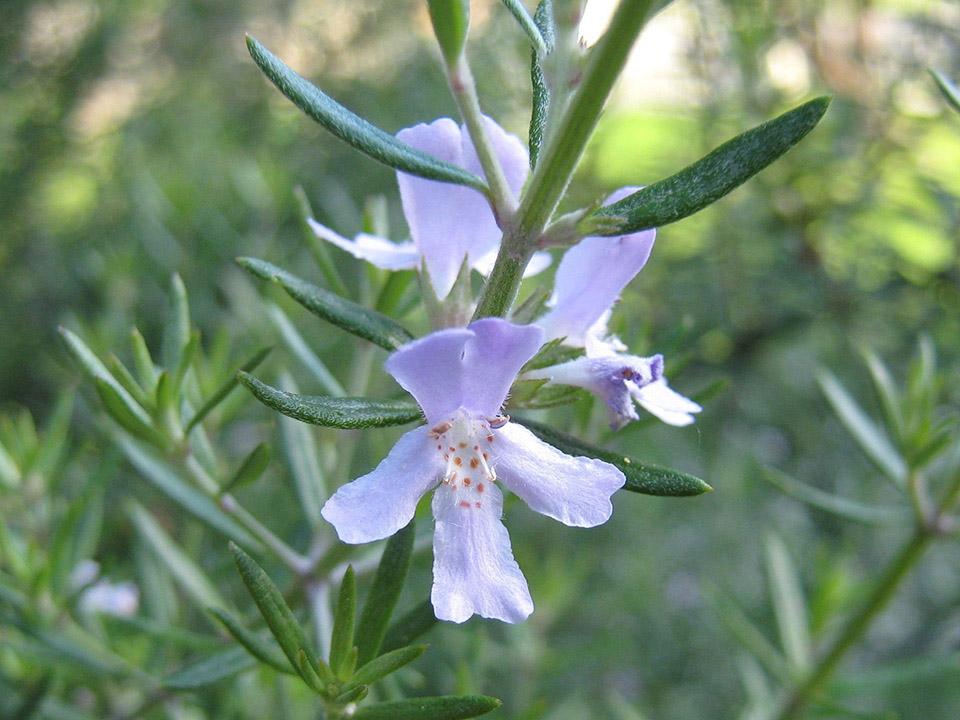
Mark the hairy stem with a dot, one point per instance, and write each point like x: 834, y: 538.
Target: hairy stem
x: 559, y: 158
x: 465, y: 94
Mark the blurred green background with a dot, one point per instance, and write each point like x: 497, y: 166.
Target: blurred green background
x: 137, y: 139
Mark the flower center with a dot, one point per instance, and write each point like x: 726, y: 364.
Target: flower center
x: 466, y: 443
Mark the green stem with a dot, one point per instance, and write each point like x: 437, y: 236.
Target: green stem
x: 226, y: 502
x: 856, y: 626
x: 465, y: 93
x: 559, y: 159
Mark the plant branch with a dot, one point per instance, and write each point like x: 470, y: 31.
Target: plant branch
x: 560, y: 156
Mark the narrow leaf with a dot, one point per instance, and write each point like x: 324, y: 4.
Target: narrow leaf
x: 354, y: 694
x: 949, y: 90
x: 451, y: 21
x: 449, y: 707
x: 886, y: 391
x: 346, y: 314
x: 320, y: 248
x: 127, y: 414
x: 416, y: 622
x: 221, y: 393
x: 341, y: 640
x: 262, y: 650
x: 387, y: 584
x: 332, y: 411
x: 788, y: 604
x: 126, y: 379
x: 161, y: 476
x: 749, y: 636
x: 276, y: 613
x: 298, y: 346
x: 210, y: 670
x: 300, y: 449
x: 387, y: 663
x: 183, y: 568
x: 146, y: 368
x: 251, y: 469
x: 834, y: 504
x: 641, y: 477
x: 528, y: 25
x: 176, y: 335
x: 871, y: 439
x: 353, y: 130
x: 713, y: 176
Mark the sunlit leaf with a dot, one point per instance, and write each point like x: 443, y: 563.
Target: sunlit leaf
x: 713, y: 176
x: 346, y: 314
x: 354, y: 130
x: 641, y: 477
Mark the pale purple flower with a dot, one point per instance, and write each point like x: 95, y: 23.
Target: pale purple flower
x: 448, y: 223
x: 589, y: 280
x: 460, y: 378
x: 108, y: 598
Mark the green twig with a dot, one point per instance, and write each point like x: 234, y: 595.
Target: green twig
x: 559, y: 158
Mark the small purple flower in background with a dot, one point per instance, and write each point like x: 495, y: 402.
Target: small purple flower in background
x: 447, y: 222
x: 460, y: 377
x: 589, y: 281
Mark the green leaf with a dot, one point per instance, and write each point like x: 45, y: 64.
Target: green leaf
x: 128, y: 415
x: 183, y: 568
x: 276, y: 613
x: 749, y: 636
x: 713, y: 176
x: 346, y: 314
x: 161, y: 476
x: 949, y: 90
x: 528, y: 25
x: 300, y: 449
x: 221, y: 393
x: 9, y: 471
x: 341, y: 640
x: 451, y: 22
x: 450, y: 707
x: 886, y: 391
x: 386, y: 664
x: 871, y: 439
x: 333, y: 411
x: 353, y: 695
x: 176, y: 335
x: 387, y: 584
x: 788, y: 604
x: 641, y: 477
x: 320, y: 248
x: 353, y: 130
x: 415, y: 622
x: 76, y: 536
x: 126, y: 379
x: 210, y: 670
x: 251, y: 469
x: 298, y: 346
x: 146, y: 368
x: 262, y: 650
x: 834, y: 504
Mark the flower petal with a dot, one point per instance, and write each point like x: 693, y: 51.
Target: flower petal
x: 474, y: 572
x: 574, y: 490
x: 375, y: 250
x: 671, y: 407
x: 447, y: 222
x: 431, y: 369
x: 383, y: 501
x: 492, y: 359
x: 614, y: 378
x: 590, y: 278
